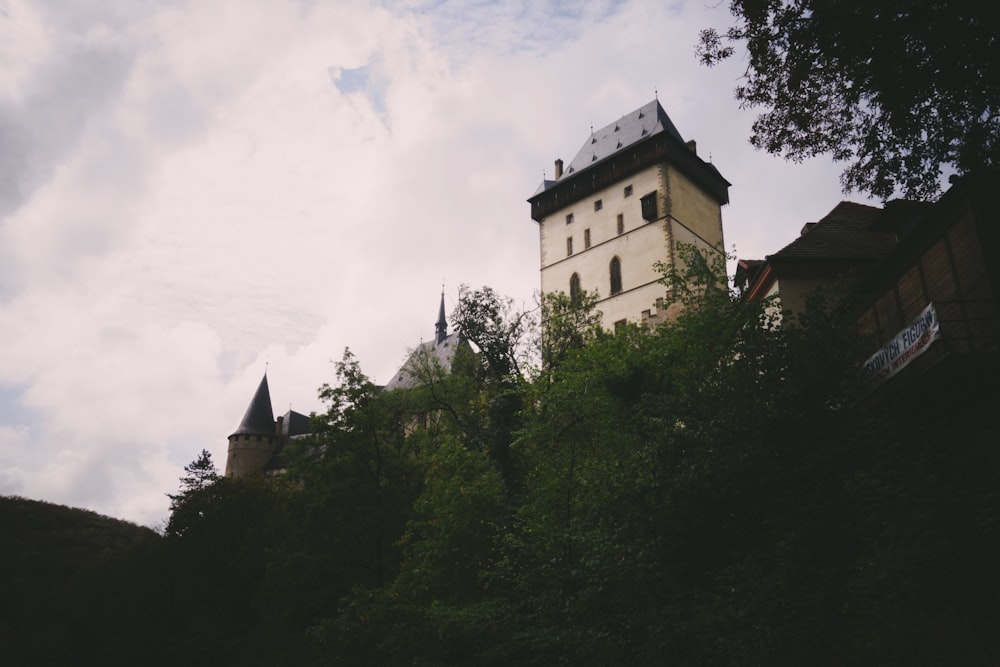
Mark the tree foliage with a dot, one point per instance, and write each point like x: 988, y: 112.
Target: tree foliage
x: 698, y: 493
x: 198, y: 476
x: 898, y: 89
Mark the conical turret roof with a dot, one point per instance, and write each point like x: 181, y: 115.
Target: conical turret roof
x: 259, y: 418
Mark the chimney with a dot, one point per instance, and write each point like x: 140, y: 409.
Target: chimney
x: 692, y: 146
x: 558, y: 169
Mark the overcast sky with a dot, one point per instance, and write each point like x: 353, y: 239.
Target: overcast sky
x: 192, y: 189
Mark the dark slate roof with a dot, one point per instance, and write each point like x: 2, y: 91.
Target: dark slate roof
x: 546, y: 184
x: 635, y: 141
x: 646, y: 121
x: 845, y: 233
x: 259, y: 418
x: 639, y: 125
x: 442, y: 353
x: 295, y: 424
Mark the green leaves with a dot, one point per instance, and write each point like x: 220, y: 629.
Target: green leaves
x: 695, y: 493
x: 899, y: 90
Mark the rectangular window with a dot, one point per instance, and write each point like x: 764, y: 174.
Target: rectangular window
x: 628, y: 190
x: 649, y: 208
x: 569, y: 246
x: 586, y: 238
x: 569, y: 218
x: 621, y: 223
x: 619, y: 326
x: 598, y: 205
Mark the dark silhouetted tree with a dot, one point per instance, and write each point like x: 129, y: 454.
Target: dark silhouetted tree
x: 898, y: 89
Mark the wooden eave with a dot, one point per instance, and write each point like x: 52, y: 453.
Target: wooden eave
x: 657, y: 148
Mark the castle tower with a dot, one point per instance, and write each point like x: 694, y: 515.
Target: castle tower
x: 633, y: 192
x: 255, y: 441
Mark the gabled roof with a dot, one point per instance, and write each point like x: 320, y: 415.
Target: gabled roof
x: 295, y: 424
x: 430, y: 353
x: 259, y: 418
x: 646, y: 121
x: 747, y: 271
x: 845, y: 233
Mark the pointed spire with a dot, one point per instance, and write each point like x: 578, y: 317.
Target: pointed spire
x: 259, y: 418
x: 441, y: 328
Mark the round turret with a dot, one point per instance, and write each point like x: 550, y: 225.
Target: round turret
x: 255, y: 441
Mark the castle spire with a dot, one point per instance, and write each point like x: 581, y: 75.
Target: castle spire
x: 442, y: 324
x: 259, y: 418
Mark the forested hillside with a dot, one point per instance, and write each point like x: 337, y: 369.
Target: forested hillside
x: 63, y: 571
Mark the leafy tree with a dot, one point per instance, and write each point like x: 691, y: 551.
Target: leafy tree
x: 568, y: 323
x: 663, y: 467
x: 360, y: 476
x: 500, y: 332
x: 504, y: 337
x: 899, y: 89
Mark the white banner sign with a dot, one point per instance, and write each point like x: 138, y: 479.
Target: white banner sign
x: 908, y: 344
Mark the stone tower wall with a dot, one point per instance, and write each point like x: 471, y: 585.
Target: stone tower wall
x: 249, y: 454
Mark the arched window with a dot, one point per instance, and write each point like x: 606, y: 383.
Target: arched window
x: 616, y: 275
x: 574, y: 288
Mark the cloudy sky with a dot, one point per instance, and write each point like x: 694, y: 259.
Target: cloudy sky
x: 192, y: 189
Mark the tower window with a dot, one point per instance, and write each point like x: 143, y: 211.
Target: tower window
x: 621, y: 223
x: 586, y: 238
x: 569, y: 246
x: 628, y: 190
x: 574, y: 288
x: 649, y: 209
x: 598, y: 205
x: 569, y: 218
x: 616, y: 275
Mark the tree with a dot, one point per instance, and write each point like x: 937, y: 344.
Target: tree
x: 898, y: 89
x: 199, y: 475
x: 569, y: 322
x: 491, y: 323
x: 360, y: 476
x: 504, y: 337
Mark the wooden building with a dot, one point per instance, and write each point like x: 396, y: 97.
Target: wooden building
x: 925, y: 278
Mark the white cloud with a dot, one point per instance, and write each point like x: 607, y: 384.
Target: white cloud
x: 186, y: 195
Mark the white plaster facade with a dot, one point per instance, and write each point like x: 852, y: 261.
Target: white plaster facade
x: 582, y: 236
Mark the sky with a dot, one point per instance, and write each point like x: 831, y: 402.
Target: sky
x: 194, y: 191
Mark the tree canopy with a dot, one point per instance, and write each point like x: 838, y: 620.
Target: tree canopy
x: 899, y: 89
x: 699, y: 493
